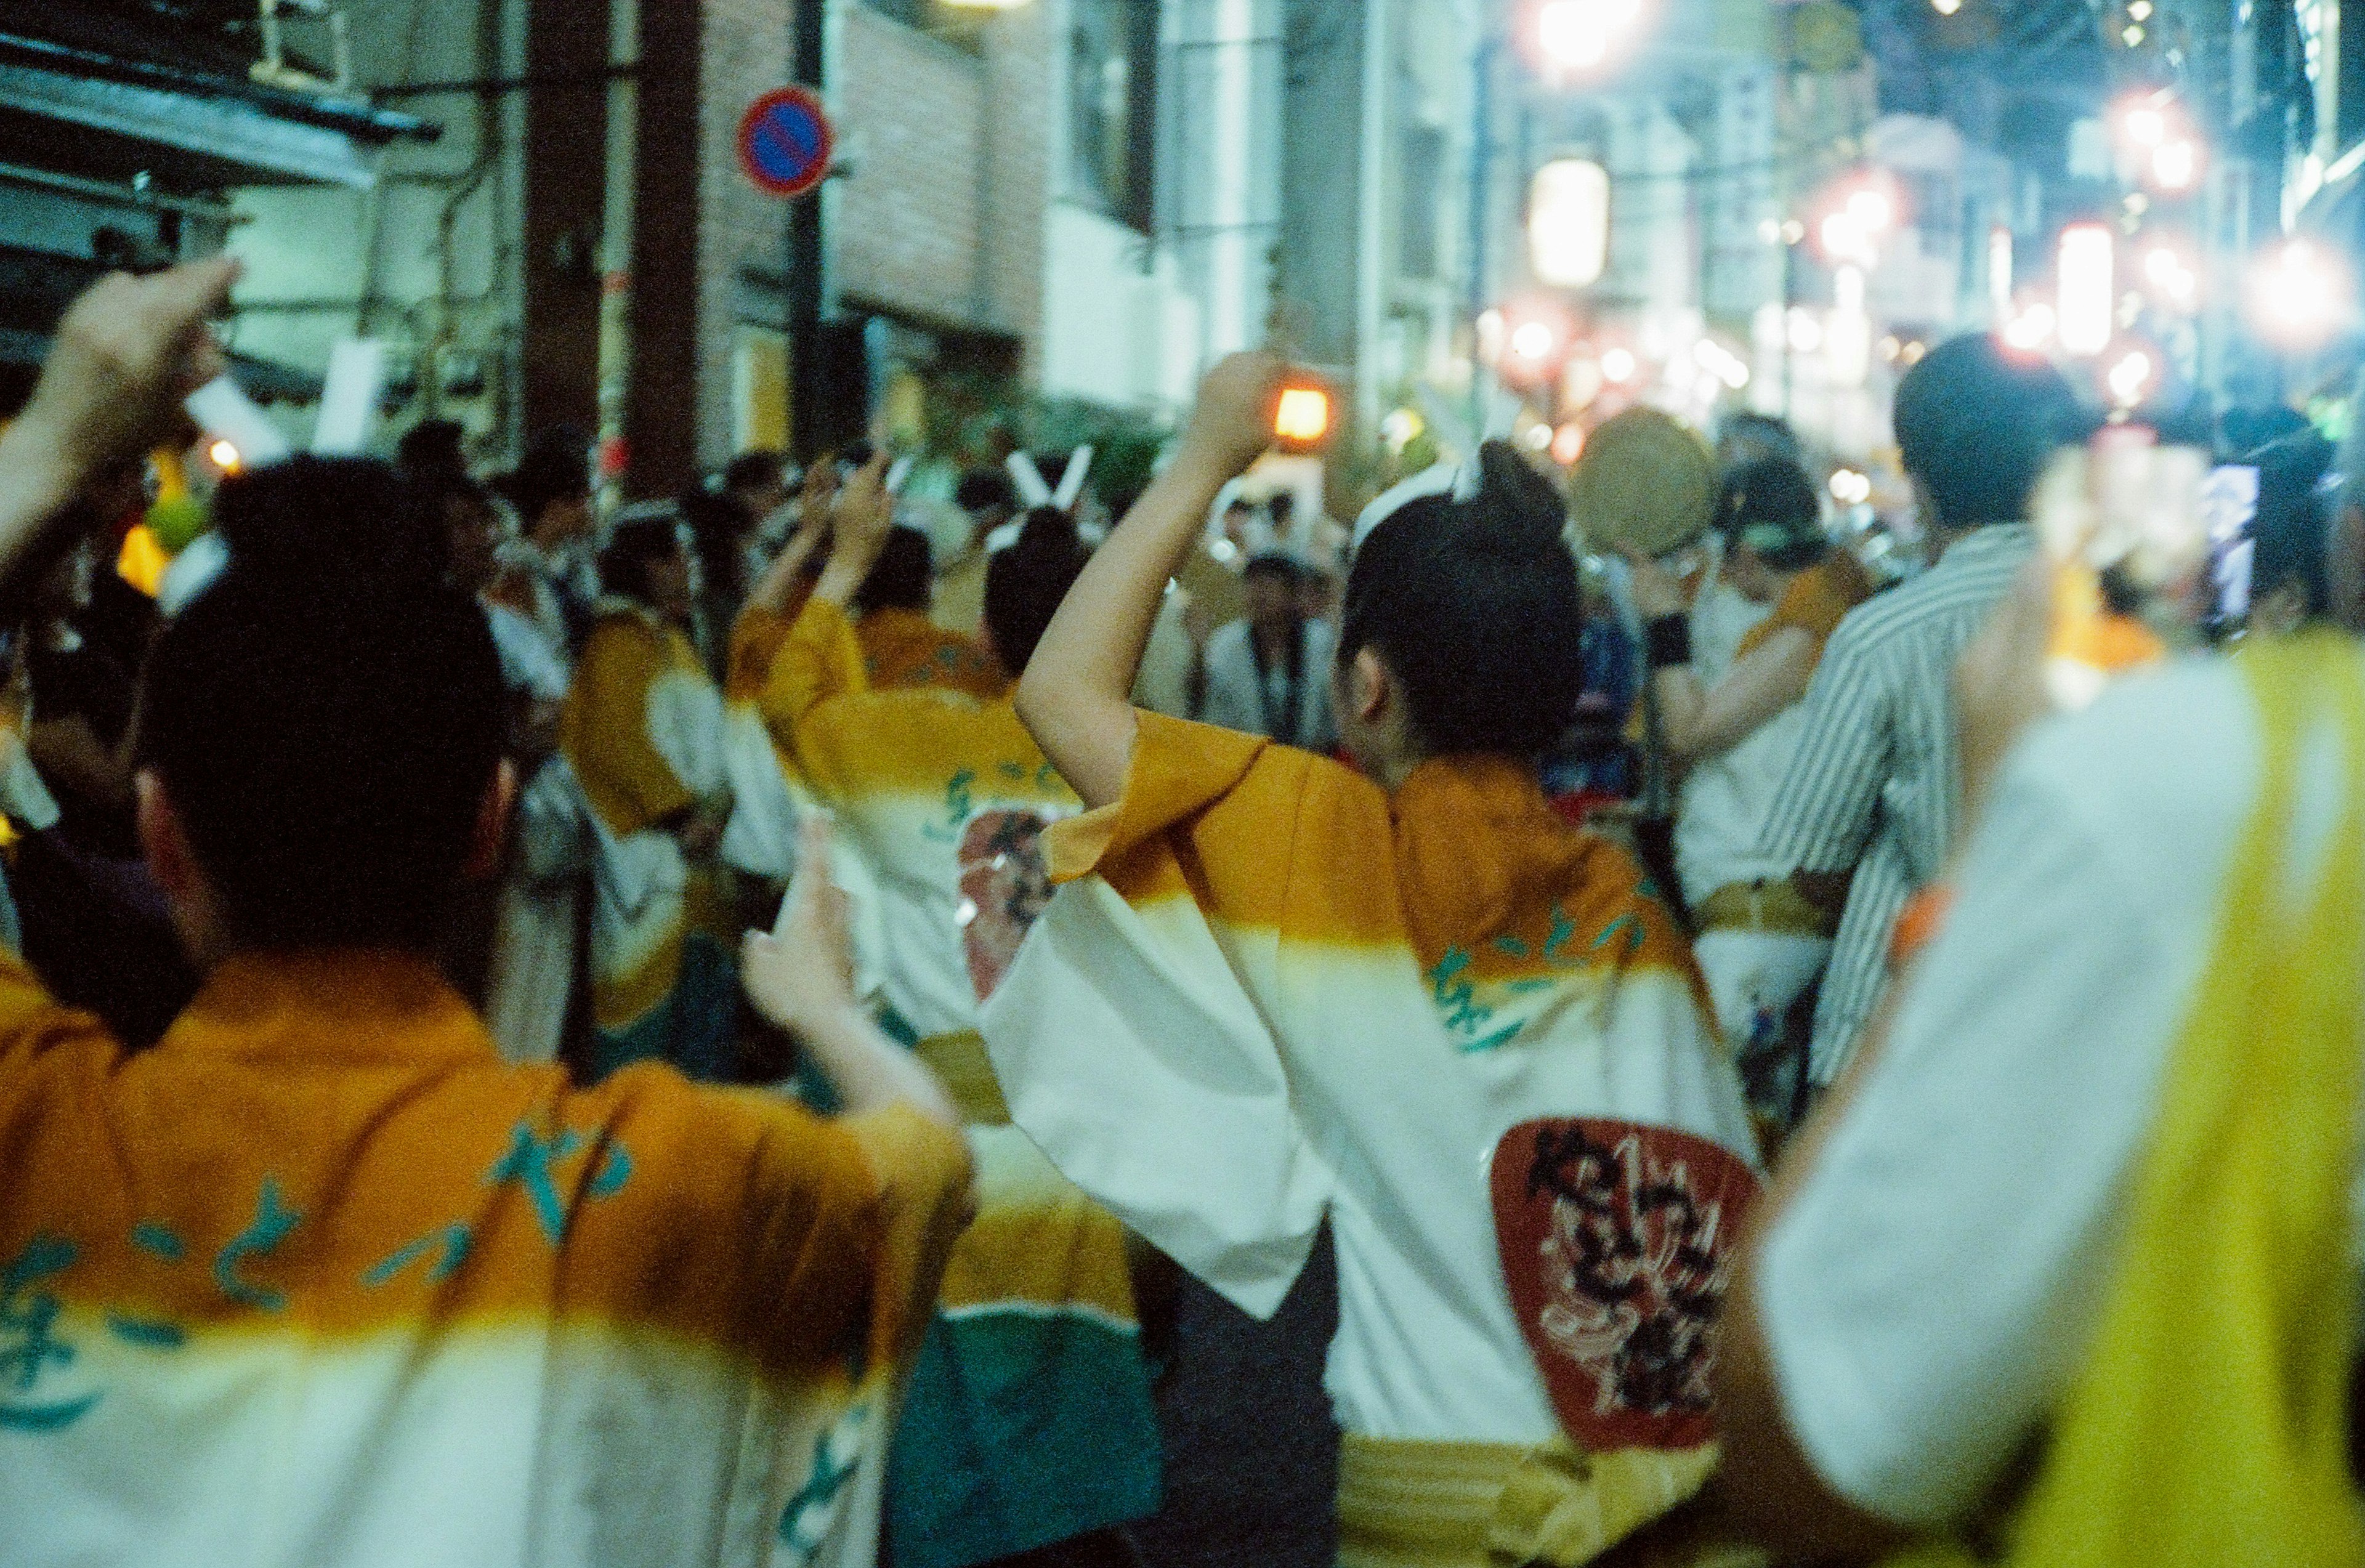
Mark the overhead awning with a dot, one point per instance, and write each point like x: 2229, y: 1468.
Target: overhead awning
x: 89, y: 96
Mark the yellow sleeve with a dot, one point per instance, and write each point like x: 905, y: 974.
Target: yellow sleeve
x: 1228, y: 814
x: 754, y: 642
x: 925, y: 1182
x: 819, y: 659
x: 604, y: 730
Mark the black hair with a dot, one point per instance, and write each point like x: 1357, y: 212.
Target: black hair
x: 1773, y: 495
x: 2292, y: 529
x: 555, y: 468
x: 899, y: 578
x: 1275, y: 563
x: 632, y: 550
x: 985, y: 489
x: 718, y: 526
x: 1474, y: 606
x: 328, y: 714
x: 1025, y: 582
x: 750, y: 469
x: 430, y: 449
x: 1772, y: 435
x: 1975, y: 424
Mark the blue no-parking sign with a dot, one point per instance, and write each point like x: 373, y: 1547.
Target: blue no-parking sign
x: 785, y: 141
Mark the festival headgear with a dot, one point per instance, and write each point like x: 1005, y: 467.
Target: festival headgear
x: 1458, y: 481
x: 1034, y: 494
x: 1645, y: 482
x: 1034, y: 491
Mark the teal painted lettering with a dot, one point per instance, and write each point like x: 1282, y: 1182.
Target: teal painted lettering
x: 528, y: 1163
x: 158, y: 1240
x: 29, y: 1343
x: 454, y: 1241
x: 271, y: 1224
x: 149, y: 1333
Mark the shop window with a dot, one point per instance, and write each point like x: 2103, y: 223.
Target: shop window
x: 1112, y: 106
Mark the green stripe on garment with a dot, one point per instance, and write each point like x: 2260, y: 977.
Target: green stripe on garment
x: 1022, y: 1428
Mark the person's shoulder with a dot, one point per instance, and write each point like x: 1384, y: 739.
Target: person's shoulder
x: 2168, y: 756
x: 712, y: 1148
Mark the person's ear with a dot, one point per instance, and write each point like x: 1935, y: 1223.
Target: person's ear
x: 164, y: 843
x: 492, y: 831
x: 1371, y: 689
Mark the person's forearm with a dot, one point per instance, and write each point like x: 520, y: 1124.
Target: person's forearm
x: 1680, y: 701
x: 1075, y: 693
x: 37, y: 482
x: 780, y: 580
x: 870, y: 1071
x: 849, y: 568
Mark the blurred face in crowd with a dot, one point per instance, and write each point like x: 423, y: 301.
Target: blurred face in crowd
x: 1751, y: 577
x: 562, y: 521
x: 471, y: 524
x: 670, y: 587
x: 761, y: 502
x: 1272, y: 600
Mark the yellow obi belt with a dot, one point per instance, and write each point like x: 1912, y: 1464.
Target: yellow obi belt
x: 1467, y: 1505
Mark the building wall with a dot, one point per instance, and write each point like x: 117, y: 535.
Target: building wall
x: 745, y: 51
x: 909, y: 220
x: 431, y: 260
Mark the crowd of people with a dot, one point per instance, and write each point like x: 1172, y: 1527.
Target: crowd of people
x: 720, y: 1033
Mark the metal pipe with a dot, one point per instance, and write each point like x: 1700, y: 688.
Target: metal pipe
x: 132, y: 196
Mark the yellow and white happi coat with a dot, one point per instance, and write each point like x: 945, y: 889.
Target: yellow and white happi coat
x: 642, y: 728
x: 319, y: 1279
x: 1029, y: 1420
x: 1270, y: 991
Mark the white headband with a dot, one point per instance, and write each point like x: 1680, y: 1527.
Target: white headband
x: 1458, y: 481
x: 1036, y: 491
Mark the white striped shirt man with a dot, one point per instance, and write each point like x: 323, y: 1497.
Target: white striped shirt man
x: 1876, y: 782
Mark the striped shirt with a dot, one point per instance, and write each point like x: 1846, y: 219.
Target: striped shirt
x: 1876, y: 782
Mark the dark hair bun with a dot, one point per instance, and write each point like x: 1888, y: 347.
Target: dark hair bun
x: 346, y: 531
x: 1515, y: 503
x: 1047, y: 531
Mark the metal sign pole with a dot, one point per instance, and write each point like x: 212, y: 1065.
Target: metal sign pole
x: 806, y: 380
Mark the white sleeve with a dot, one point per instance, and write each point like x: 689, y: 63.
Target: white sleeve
x: 529, y: 663
x: 1932, y: 1287
x: 685, y: 719
x: 1130, y: 1054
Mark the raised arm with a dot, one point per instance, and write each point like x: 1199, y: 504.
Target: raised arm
x: 802, y: 980
x: 126, y: 355
x: 1695, y: 722
x: 778, y: 584
x: 859, y: 524
x: 1075, y: 696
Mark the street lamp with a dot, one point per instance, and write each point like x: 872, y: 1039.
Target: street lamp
x: 1577, y: 36
x: 1568, y: 222
x: 2299, y: 295
x: 2086, y: 274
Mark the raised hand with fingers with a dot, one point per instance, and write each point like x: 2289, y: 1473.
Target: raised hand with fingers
x: 859, y: 522
x: 125, y: 356
x: 802, y: 970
